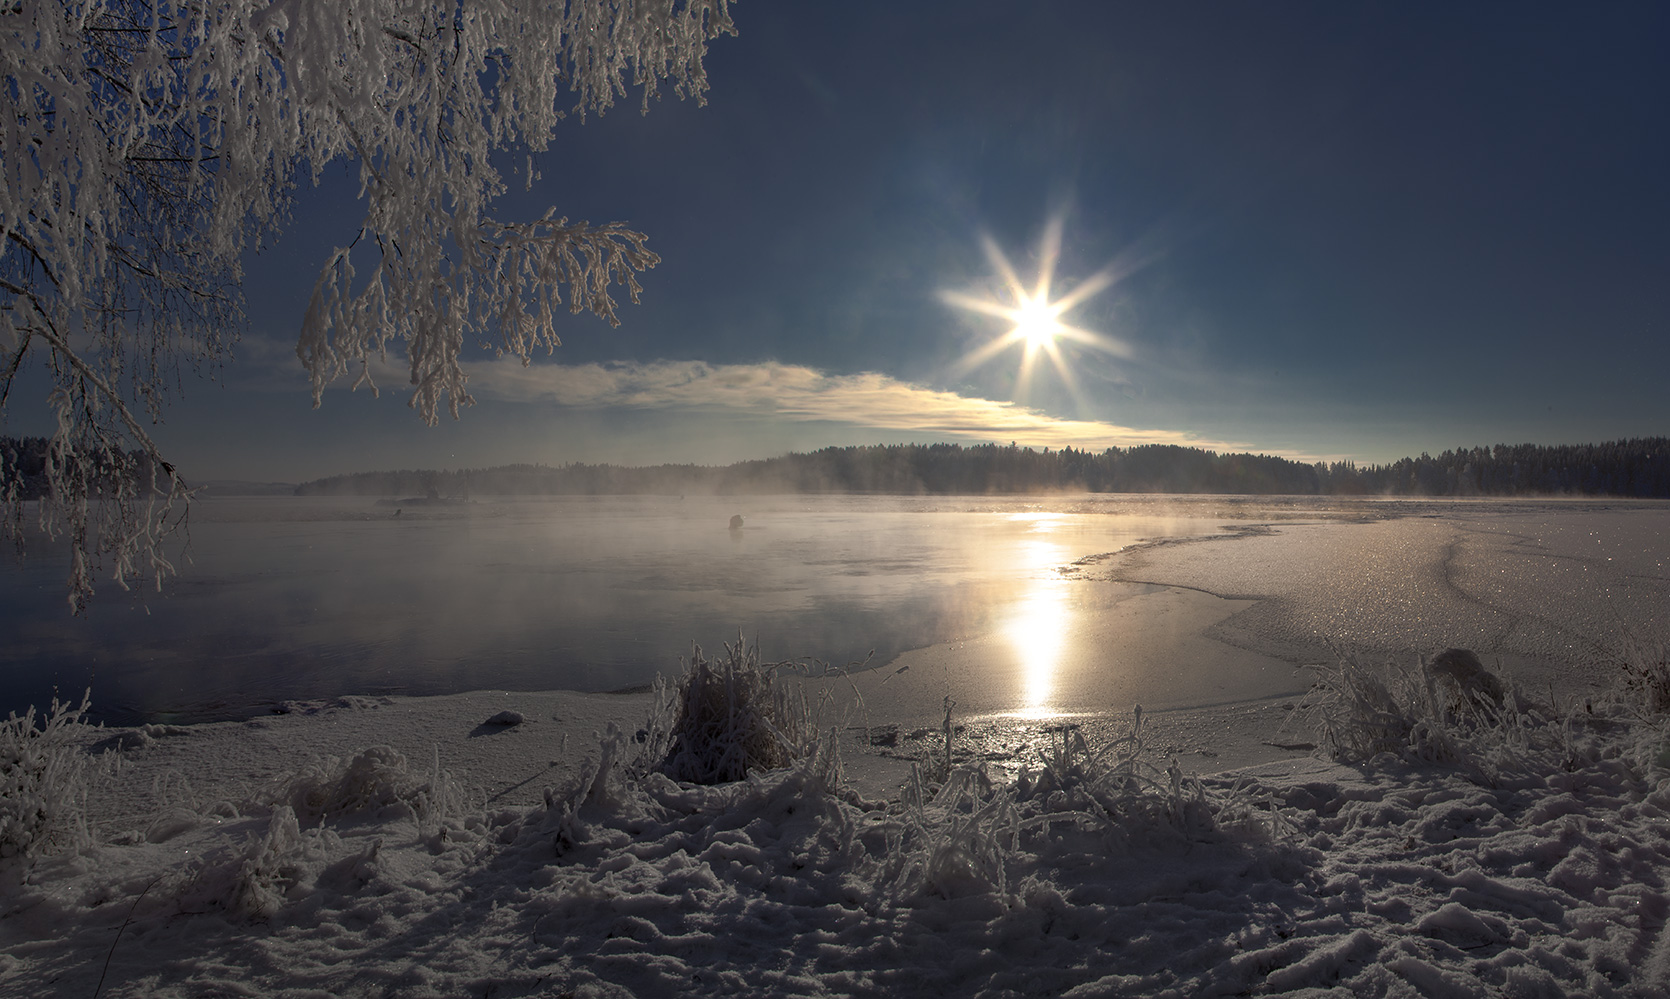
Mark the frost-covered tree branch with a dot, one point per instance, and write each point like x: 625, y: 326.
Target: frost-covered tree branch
x: 147, y: 144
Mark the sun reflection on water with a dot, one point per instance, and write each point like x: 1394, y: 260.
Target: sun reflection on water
x: 1037, y: 630
x: 1036, y: 625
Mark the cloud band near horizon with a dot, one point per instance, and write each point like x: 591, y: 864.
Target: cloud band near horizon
x: 795, y: 392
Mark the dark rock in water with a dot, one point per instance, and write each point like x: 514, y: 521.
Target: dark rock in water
x: 736, y: 522
x: 430, y: 500
x: 1468, y: 681
x: 505, y: 718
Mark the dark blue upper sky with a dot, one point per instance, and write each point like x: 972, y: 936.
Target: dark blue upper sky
x: 1342, y: 230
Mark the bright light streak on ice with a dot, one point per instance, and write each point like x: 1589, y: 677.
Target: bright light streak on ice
x: 1036, y: 626
x: 1037, y: 630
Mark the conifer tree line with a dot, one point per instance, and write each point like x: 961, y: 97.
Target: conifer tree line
x: 1636, y: 468
x: 1639, y: 468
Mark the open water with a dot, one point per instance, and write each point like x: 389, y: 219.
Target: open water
x: 282, y: 599
x: 297, y: 598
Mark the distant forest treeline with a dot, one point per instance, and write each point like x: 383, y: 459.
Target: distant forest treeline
x: 1639, y: 467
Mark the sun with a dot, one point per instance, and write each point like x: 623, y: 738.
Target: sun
x: 1034, y: 315
x: 1035, y: 322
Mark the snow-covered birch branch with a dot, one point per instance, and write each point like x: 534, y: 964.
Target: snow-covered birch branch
x: 150, y: 143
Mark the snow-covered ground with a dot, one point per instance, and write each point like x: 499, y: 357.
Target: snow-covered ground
x: 1521, y: 854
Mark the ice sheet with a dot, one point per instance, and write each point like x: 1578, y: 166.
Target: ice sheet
x: 1552, y: 593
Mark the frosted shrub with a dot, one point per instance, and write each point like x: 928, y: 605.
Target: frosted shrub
x: 1465, y: 683
x: 256, y: 881
x: 377, y: 780
x: 960, y: 839
x: 43, y: 782
x: 1450, y: 712
x: 270, y: 865
x: 730, y: 716
x: 1359, y: 713
x: 955, y: 843
x: 1646, y: 679
x: 1119, y: 790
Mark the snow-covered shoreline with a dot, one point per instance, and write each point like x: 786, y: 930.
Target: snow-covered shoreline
x: 288, y: 855
x: 1384, y: 878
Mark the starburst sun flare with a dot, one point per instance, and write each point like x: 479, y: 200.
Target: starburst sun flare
x: 1034, y: 316
x: 1035, y: 321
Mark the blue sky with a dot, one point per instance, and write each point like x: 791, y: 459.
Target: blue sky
x: 1338, y: 231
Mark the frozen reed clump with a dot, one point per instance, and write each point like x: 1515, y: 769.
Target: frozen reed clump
x: 1120, y: 789
x: 1464, y: 680
x: 43, y: 782
x: 1080, y: 806
x: 276, y: 866
x: 270, y: 866
x: 1639, y: 701
x: 1645, y: 678
x: 1359, y: 713
x: 1451, y: 711
x: 955, y: 843
x: 298, y: 856
x: 729, y: 716
x: 376, y: 781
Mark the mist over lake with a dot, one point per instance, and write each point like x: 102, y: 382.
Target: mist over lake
x: 284, y: 598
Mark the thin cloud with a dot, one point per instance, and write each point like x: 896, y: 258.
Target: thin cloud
x: 795, y: 392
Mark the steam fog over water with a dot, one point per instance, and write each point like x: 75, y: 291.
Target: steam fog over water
x: 302, y: 598
x: 289, y: 598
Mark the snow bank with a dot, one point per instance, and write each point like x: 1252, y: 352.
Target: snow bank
x: 1100, y: 870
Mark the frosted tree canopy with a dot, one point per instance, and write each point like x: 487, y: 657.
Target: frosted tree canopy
x: 149, y: 143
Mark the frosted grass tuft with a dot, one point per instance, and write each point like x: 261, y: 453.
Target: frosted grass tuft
x: 1646, y: 677
x: 378, y: 780
x: 43, y: 782
x: 1452, y: 712
x: 728, y: 717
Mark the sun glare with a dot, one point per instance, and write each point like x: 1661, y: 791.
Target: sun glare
x: 1038, y: 624
x: 1035, y: 315
x: 1036, y: 323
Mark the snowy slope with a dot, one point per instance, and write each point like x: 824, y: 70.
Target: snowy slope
x: 1082, y: 878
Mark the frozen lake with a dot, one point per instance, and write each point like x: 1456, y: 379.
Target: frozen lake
x: 1007, y: 602
x: 286, y: 598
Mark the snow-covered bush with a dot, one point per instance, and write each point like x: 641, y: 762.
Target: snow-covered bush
x: 1464, y: 682
x: 377, y: 780
x: 955, y: 843
x: 297, y: 853
x: 270, y: 864
x: 1119, y: 789
x: 730, y: 716
x: 1450, y: 712
x: 272, y: 868
x: 43, y: 782
x: 1359, y: 713
x: 1646, y: 678
x: 960, y: 839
